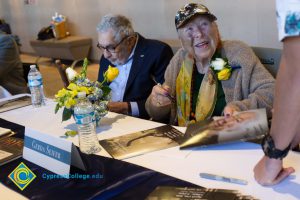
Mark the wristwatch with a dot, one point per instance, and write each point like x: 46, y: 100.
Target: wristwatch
x: 270, y: 150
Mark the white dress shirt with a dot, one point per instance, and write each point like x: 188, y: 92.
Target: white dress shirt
x: 118, y: 85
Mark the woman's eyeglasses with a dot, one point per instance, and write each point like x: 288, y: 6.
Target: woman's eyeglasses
x: 112, y: 48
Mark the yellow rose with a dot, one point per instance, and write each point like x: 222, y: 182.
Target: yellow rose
x: 224, y: 74
x: 111, y: 73
x: 61, y: 93
x: 73, y: 87
x: 69, y: 103
x: 84, y: 89
x: 73, y: 93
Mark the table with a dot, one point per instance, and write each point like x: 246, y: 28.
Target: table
x: 234, y: 160
x: 74, y: 48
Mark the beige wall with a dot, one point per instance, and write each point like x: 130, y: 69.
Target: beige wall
x: 250, y: 21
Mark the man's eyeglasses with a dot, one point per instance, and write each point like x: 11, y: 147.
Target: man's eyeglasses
x: 112, y: 48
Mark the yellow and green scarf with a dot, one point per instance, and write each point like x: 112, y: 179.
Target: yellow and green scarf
x: 207, y: 96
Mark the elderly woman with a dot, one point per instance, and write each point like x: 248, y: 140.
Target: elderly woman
x: 208, y: 77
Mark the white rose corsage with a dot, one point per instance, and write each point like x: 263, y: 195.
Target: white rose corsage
x: 221, y: 68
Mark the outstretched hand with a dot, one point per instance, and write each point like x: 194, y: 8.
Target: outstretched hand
x: 270, y: 171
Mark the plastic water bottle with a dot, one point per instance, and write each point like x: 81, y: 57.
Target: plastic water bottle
x: 84, y: 115
x: 35, y: 83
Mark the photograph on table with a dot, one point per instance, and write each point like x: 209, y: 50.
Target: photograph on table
x: 242, y: 126
x: 140, y: 142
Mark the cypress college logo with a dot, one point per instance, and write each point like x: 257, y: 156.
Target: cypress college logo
x: 22, y: 176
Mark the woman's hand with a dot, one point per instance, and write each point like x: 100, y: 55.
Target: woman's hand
x: 229, y: 110
x: 159, y: 95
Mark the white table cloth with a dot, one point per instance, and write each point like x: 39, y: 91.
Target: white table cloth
x: 233, y: 160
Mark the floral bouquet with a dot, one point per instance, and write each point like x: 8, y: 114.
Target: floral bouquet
x: 97, y: 93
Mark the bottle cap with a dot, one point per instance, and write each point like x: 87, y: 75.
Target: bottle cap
x: 32, y: 66
x: 81, y: 94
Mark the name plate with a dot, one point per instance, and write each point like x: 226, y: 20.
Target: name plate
x: 52, y: 153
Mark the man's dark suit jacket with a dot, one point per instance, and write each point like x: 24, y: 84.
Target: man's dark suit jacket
x: 151, y: 57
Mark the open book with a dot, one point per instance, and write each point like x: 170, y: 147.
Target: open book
x: 242, y: 126
x: 140, y: 142
x: 14, y: 102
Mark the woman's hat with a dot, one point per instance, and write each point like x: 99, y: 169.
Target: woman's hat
x: 185, y: 13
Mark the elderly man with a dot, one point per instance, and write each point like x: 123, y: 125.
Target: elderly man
x: 11, y: 69
x: 207, y: 76
x: 140, y: 61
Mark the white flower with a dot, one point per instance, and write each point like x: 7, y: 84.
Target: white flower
x: 218, y: 64
x: 71, y: 73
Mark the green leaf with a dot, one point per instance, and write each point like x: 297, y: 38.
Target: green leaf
x: 67, y: 113
x: 106, y: 90
x: 56, y: 108
x: 71, y: 133
x: 84, y: 67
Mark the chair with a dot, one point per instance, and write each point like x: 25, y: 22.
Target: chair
x: 269, y: 57
x: 62, y: 72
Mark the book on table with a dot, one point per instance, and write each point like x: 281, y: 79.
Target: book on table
x: 141, y: 142
x: 242, y: 126
x: 15, y: 102
x: 11, y: 147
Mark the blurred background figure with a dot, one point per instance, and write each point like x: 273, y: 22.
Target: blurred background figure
x: 11, y: 69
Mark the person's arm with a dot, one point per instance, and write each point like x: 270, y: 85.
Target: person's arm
x: 286, y: 110
x: 162, y: 112
x: 285, y: 128
x: 118, y: 107
x: 158, y: 105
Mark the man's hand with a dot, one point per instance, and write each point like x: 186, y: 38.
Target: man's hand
x: 270, y: 171
x: 118, y: 107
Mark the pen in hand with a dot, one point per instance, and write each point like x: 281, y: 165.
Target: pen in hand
x: 223, y: 178
x: 167, y: 93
